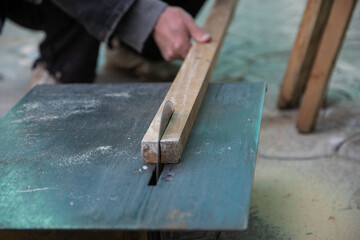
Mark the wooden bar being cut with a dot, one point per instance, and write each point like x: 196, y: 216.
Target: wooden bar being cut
x: 304, y: 52
x: 330, y: 44
x: 188, y: 89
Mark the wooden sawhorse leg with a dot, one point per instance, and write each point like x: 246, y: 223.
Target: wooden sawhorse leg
x: 325, y: 59
x: 304, y: 52
x: 312, y: 59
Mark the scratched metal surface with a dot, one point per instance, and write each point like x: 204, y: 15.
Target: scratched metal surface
x: 70, y: 159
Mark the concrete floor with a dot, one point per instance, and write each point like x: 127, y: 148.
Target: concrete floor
x: 305, y: 186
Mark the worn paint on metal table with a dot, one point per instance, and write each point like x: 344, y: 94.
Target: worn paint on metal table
x: 70, y: 159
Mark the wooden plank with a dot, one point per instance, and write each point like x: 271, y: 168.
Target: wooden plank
x: 188, y: 89
x: 304, y: 52
x: 330, y: 44
x: 70, y: 159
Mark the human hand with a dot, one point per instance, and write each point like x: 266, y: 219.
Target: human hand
x: 173, y: 31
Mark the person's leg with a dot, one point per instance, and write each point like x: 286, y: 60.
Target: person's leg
x: 68, y: 52
x: 68, y: 49
x: 23, y: 13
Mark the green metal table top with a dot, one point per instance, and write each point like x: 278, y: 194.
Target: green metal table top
x: 70, y: 159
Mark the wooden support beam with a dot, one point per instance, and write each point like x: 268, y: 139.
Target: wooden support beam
x: 188, y: 89
x: 304, y: 52
x: 330, y: 44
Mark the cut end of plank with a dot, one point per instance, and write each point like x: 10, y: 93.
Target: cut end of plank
x: 170, y: 151
x: 149, y: 150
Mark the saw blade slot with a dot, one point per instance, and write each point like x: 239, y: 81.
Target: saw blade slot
x: 153, y: 180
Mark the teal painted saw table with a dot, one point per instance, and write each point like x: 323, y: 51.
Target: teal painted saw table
x: 70, y: 159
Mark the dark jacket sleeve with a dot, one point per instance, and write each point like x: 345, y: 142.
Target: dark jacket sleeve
x: 132, y: 19
x: 139, y: 22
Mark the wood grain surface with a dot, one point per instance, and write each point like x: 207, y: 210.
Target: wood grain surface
x: 329, y: 47
x: 304, y: 52
x: 188, y: 89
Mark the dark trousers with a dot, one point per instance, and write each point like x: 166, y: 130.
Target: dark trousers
x: 68, y: 50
